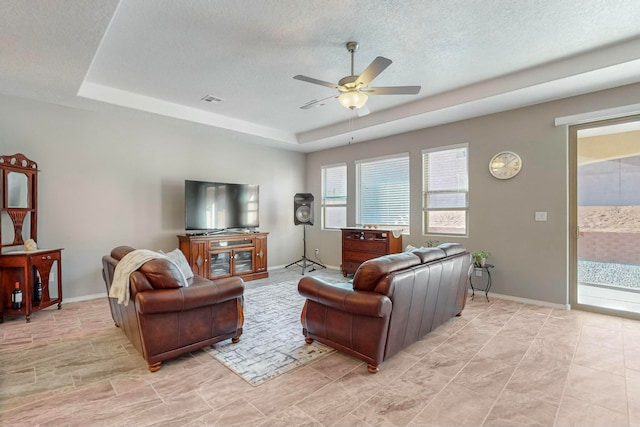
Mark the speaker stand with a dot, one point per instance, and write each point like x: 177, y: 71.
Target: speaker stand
x: 302, y: 262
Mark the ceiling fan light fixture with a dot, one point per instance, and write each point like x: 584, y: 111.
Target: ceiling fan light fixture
x: 353, y: 99
x: 352, y: 87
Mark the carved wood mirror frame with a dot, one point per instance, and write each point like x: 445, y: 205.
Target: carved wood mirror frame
x: 16, y: 204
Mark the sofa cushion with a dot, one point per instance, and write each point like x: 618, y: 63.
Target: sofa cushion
x: 369, y: 272
x: 180, y: 260
x: 429, y: 254
x: 452, y: 248
x: 162, y: 274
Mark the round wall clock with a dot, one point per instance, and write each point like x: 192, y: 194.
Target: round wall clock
x: 505, y: 165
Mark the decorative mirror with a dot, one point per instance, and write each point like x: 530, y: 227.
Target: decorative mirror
x: 17, y: 190
x: 19, y: 208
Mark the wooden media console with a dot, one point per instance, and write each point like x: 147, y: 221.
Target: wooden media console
x: 227, y: 254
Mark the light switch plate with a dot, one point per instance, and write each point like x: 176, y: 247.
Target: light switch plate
x: 541, y: 216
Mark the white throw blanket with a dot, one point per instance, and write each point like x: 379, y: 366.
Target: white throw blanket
x: 127, y: 265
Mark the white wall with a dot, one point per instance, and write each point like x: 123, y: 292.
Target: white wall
x: 530, y: 257
x: 117, y: 178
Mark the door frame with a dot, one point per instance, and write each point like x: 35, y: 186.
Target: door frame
x: 573, y: 216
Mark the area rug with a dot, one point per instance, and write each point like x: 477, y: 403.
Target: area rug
x: 272, y: 342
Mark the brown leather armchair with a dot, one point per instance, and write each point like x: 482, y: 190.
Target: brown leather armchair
x: 164, y: 320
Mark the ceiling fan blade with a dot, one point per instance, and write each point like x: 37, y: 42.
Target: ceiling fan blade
x: 393, y: 90
x: 376, y: 67
x: 316, y: 103
x: 316, y: 81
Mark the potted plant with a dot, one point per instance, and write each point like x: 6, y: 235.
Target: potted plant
x: 480, y: 258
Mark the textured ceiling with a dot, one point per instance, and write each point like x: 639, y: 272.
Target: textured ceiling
x: 162, y: 56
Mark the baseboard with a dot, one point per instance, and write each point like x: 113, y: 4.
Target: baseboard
x: 85, y: 297
x: 528, y: 301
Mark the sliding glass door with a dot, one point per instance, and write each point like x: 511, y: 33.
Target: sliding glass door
x: 605, y: 216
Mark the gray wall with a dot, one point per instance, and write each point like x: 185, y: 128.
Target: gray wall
x: 531, y: 258
x: 110, y: 179
x: 114, y: 178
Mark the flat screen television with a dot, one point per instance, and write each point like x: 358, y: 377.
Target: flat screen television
x: 218, y: 206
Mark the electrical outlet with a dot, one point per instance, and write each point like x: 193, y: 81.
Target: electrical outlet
x: 317, y: 251
x: 479, y: 273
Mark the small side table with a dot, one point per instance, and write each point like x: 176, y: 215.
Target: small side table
x: 487, y: 268
x: 26, y: 267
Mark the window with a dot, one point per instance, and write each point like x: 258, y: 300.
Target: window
x: 334, y: 196
x: 445, y: 190
x: 383, y: 191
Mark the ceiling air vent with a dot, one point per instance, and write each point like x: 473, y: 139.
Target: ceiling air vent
x: 211, y: 98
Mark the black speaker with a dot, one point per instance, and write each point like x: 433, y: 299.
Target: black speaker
x: 303, y: 208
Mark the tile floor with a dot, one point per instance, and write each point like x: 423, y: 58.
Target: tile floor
x: 501, y: 363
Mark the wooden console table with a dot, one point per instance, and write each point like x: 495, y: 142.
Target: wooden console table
x: 362, y: 244
x: 227, y: 254
x: 27, y: 268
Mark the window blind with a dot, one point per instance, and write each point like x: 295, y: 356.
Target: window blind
x: 445, y: 189
x: 383, y: 191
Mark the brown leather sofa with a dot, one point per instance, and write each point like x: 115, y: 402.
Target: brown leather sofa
x: 164, y: 320
x: 393, y: 302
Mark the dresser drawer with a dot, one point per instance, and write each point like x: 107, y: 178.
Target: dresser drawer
x: 44, y: 259
x: 359, y: 256
x: 373, y: 246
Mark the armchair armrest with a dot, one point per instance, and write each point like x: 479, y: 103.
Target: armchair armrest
x: 200, y: 294
x: 362, y: 303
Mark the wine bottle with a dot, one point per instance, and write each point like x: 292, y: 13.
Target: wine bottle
x: 16, y: 297
x: 37, y: 291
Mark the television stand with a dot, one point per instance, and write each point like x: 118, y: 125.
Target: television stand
x: 226, y: 254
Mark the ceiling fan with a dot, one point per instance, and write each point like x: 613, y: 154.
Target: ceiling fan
x: 354, y: 89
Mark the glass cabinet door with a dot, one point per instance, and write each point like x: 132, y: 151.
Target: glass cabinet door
x: 243, y: 259
x: 220, y: 264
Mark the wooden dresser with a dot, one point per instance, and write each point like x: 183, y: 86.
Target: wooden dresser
x: 362, y: 244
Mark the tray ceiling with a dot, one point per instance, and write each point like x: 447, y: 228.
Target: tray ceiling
x: 161, y: 56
